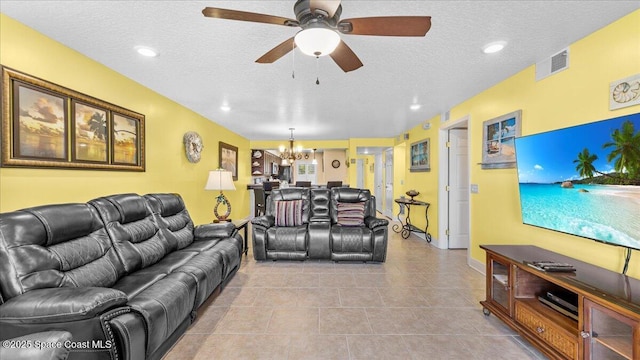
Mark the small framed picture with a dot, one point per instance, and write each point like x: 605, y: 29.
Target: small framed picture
x: 498, y: 141
x: 419, y: 156
x: 228, y: 158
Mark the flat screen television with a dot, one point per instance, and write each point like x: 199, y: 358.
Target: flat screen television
x: 584, y: 180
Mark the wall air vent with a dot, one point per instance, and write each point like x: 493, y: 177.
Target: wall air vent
x: 552, y: 65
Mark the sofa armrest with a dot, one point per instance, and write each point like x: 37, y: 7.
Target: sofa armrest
x: 266, y: 221
x: 213, y: 231
x: 373, y: 222
x: 60, y: 304
x: 48, y: 345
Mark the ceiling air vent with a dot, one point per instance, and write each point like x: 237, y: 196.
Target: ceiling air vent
x: 552, y: 65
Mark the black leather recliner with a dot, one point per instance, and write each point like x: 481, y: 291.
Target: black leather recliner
x: 123, y: 273
x: 320, y: 234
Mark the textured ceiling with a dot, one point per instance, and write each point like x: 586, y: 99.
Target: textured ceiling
x: 205, y: 63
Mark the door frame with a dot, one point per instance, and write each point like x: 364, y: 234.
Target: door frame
x: 443, y: 180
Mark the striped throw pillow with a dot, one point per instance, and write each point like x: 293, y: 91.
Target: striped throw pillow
x: 288, y: 213
x: 351, y: 214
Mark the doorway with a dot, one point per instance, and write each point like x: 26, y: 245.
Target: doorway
x: 388, y: 183
x: 458, y: 189
x: 453, y: 194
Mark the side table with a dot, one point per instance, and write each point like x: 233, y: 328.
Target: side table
x: 242, y: 224
x: 405, y: 229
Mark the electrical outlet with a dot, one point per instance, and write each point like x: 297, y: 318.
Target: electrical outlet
x: 474, y: 188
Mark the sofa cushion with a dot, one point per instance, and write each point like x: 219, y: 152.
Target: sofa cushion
x: 288, y: 213
x: 55, y: 246
x: 165, y: 305
x: 172, y: 216
x: 351, y: 213
x: 61, y: 304
x: 136, y: 235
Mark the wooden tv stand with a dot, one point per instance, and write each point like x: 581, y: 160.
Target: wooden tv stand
x: 608, y: 316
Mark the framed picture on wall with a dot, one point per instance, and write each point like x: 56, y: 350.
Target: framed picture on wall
x: 39, y: 123
x: 89, y: 133
x: 228, y: 158
x: 45, y: 125
x: 125, y: 139
x: 419, y: 156
x: 498, y: 141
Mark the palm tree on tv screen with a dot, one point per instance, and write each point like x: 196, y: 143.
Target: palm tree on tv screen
x: 625, y: 157
x: 626, y: 150
x: 585, y: 163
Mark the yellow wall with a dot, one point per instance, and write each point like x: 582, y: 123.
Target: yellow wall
x: 574, y: 96
x: 168, y: 170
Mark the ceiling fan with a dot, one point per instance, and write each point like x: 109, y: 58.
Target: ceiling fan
x: 320, y: 23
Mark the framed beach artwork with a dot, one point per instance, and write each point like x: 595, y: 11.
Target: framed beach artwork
x: 89, y: 137
x: 498, y: 141
x: 228, y: 158
x: 39, y: 124
x: 126, y: 144
x: 45, y: 125
x: 419, y: 156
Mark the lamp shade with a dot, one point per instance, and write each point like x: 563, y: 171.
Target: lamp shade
x: 317, y: 41
x: 220, y: 180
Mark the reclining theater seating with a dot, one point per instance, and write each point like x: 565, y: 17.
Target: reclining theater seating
x: 124, y: 272
x: 338, y: 224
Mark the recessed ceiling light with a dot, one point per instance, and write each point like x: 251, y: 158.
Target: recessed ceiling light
x: 225, y: 108
x: 415, y: 107
x: 146, y: 51
x: 494, y: 47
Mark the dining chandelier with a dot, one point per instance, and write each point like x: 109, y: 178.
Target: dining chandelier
x: 290, y: 155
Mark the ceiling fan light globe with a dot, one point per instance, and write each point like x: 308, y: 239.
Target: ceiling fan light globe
x: 317, y: 41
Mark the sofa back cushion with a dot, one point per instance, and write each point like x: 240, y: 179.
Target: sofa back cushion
x: 289, y: 194
x: 354, y: 196
x: 134, y: 232
x: 319, y: 199
x: 173, y: 217
x: 62, y: 245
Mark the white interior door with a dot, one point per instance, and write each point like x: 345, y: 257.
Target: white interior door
x: 378, y: 181
x: 458, y: 189
x: 388, y: 183
x: 360, y: 173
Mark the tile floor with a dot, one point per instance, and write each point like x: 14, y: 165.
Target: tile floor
x: 422, y: 303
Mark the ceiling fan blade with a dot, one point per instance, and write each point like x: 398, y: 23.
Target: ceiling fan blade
x: 345, y: 57
x: 386, y: 26
x: 330, y: 6
x: 277, y: 52
x: 248, y: 16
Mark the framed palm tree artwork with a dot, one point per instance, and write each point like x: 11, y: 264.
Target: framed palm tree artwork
x: 90, y: 137
x: 45, y: 125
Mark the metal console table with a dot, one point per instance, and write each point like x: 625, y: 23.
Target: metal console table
x: 405, y: 228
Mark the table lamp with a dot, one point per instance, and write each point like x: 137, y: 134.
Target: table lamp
x: 220, y: 179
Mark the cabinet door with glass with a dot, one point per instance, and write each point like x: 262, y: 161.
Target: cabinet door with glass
x: 609, y: 335
x: 499, y: 283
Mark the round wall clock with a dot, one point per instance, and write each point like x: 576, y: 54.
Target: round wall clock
x: 192, y: 146
x: 335, y: 164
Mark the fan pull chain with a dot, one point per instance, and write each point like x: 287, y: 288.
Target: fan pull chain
x: 317, y: 70
x: 293, y: 59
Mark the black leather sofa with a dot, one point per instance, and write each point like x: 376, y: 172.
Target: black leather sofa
x: 123, y: 274
x: 316, y: 229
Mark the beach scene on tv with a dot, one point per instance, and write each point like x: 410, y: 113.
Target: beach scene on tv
x: 584, y: 180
